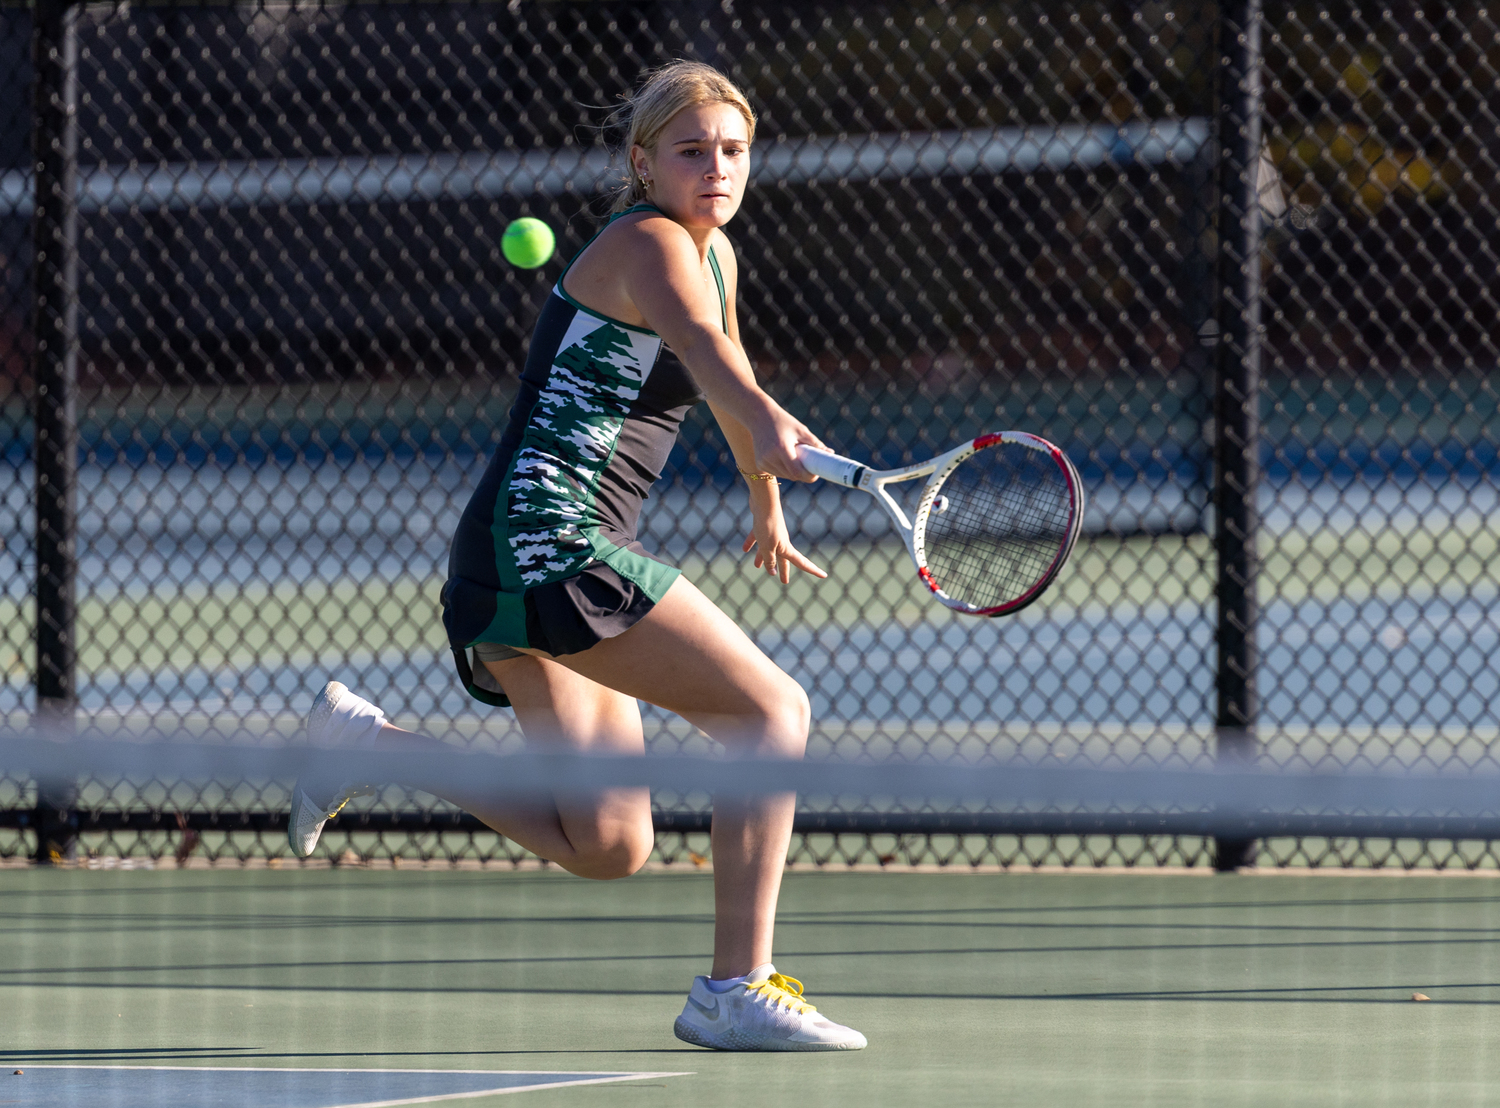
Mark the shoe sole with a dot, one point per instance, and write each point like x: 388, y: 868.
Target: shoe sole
x: 301, y: 800
x: 324, y: 705
x: 690, y: 1034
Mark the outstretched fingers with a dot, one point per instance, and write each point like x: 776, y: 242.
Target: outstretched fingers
x: 780, y: 561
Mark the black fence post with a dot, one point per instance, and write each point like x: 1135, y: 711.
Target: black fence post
x: 1237, y: 392
x: 54, y: 46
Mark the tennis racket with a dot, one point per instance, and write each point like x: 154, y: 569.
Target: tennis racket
x: 997, y: 518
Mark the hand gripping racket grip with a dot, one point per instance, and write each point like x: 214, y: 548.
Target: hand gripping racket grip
x: 830, y: 466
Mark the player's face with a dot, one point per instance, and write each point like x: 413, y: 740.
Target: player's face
x: 700, y: 167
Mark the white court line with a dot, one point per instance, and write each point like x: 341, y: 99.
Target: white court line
x: 499, y: 1092
x: 612, y: 1077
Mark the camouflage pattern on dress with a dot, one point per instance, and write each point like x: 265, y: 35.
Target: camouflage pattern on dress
x: 595, y: 378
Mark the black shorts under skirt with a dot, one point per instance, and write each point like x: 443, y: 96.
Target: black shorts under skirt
x: 562, y: 617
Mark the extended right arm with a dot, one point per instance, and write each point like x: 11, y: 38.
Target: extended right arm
x: 663, y: 276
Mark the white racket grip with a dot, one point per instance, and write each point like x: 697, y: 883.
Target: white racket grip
x: 830, y: 466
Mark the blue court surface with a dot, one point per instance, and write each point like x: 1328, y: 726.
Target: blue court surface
x: 149, y: 1086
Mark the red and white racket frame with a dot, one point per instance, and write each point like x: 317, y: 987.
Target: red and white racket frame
x: 856, y: 475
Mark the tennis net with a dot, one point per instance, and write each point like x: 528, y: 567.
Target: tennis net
x: 135, y: 798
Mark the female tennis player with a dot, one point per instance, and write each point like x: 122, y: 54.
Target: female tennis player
x: 553, y: 607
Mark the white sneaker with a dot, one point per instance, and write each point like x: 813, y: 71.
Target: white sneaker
x: 765, y: 1011
x: 338, y: 718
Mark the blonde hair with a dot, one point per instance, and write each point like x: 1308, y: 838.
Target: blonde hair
x: 664, y: 93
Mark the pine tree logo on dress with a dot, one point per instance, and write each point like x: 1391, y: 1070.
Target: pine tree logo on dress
x: 596, y: 376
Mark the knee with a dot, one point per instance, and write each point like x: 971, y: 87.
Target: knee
x: 787, y: 716
x: 797, y: 722
x: 614, y: 858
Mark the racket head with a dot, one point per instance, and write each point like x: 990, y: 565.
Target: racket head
x: 996, y: 522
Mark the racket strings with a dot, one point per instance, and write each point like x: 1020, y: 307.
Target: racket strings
x: 1006, y: 513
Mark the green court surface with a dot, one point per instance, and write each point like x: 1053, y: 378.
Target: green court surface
x: 1022, y: 989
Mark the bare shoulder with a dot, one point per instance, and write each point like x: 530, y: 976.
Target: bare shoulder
x: 729, y: 266
x: 625, y: 252
x: 724, y: 251
x: 649, y: 231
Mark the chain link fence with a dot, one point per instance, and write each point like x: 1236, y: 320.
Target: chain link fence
x: 297, y: 340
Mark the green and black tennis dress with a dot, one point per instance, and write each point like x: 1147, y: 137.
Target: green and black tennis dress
x: 546, y: 554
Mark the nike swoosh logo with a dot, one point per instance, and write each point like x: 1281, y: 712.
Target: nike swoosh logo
x: 711, y: 1013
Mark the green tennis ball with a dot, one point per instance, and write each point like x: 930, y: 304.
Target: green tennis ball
x: 528, y: 243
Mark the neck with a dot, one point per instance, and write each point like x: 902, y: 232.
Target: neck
x: 701, y: 237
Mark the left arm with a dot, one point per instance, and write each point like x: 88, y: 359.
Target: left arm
x: 769, y: 538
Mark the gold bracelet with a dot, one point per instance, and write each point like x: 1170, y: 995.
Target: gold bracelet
x: 748, y: 476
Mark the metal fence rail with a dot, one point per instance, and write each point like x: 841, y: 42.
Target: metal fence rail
x: 257, y: 339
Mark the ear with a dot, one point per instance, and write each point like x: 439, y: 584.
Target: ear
x: 638, y: 161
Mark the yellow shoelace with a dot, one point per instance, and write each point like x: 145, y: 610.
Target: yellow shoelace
x: 781, y: 989
x: 350, y: 792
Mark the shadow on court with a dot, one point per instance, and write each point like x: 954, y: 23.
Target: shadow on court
x: 1033, y: 989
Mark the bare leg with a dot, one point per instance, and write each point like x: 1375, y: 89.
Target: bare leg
x: 688, y: 657
x: 604, y: 835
